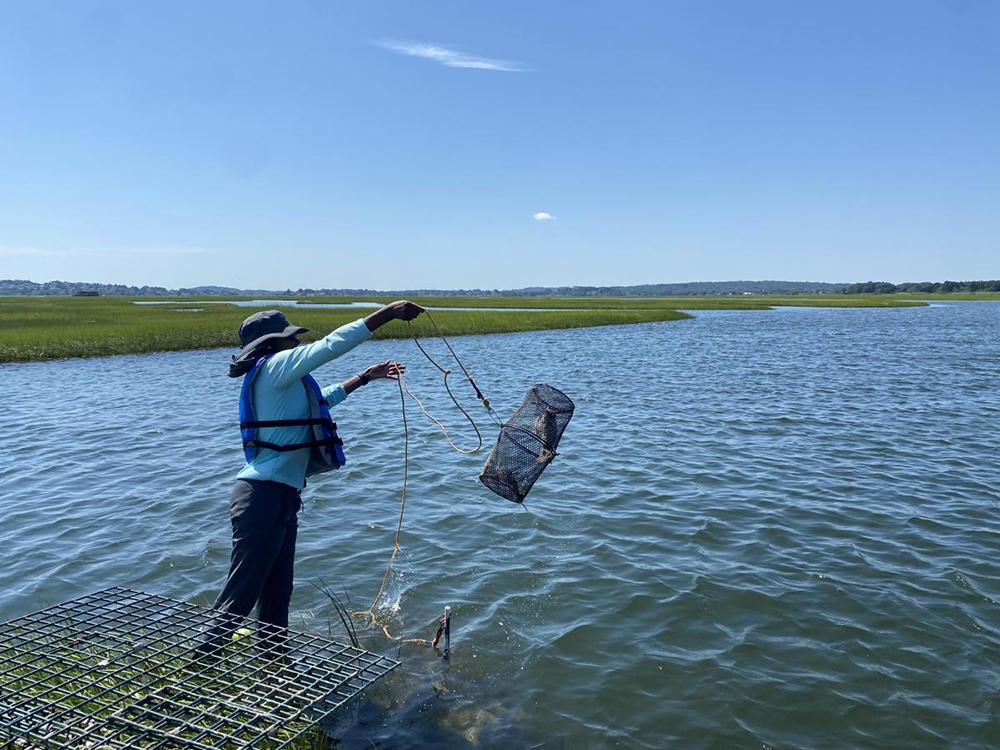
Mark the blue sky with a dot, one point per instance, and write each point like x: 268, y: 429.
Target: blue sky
x: 498, y: 145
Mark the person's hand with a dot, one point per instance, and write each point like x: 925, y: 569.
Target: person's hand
x: 385, y: 370
x: 404, y: 309
x: 399, y: 310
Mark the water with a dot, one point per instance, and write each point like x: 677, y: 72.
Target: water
x: 764, y: 529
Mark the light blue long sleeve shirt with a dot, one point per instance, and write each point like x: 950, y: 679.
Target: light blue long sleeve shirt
x: 278, y: 393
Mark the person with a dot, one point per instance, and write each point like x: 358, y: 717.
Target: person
x: 287, y: 436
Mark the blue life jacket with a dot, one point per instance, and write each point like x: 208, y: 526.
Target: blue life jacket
x: 326, y: 450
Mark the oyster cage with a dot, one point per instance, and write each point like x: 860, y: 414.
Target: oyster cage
x: 118, y: 669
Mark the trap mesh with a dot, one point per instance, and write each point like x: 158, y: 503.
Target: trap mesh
x: 117, y: 669
x: 527, y: 442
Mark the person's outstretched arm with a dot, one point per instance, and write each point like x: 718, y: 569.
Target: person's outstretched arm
x: 288, y: 366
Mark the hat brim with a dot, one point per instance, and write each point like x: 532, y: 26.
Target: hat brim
x: 286, y: 334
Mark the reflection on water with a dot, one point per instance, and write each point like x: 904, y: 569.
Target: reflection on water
x: 762, y: 529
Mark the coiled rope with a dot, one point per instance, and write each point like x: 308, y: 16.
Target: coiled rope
x: 446, y: 372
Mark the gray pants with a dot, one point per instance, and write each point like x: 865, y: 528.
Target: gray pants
x: 265, y: 525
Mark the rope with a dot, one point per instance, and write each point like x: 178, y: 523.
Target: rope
x: 370, y: 612
x: 447, y: 372
x: 402, y: 508
x: 444, y: 429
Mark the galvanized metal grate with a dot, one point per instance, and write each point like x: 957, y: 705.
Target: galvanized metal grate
x: 118, y: 669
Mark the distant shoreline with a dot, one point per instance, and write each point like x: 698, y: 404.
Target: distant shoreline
x: 25, y: 288
x: 48, y: 328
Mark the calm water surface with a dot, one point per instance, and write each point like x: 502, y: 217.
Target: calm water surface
x: 764, y: 529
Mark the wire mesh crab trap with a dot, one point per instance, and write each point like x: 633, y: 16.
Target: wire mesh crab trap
x: 527, y: 442
x: 119, y: 669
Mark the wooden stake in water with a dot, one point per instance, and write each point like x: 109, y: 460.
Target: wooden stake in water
x: 447, y: 631
x: 444, y: 627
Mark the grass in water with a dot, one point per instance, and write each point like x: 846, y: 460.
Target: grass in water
x: 121, y: 667
x: 77, y: 695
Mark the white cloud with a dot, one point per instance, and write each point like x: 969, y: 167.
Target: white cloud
x: 449, y: 58
x: 542, y: 216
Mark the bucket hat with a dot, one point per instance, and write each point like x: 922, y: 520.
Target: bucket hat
x: 264, y: 326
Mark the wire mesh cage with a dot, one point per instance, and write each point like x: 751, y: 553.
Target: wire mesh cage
x: 119, y: 669
x: 527, y: 442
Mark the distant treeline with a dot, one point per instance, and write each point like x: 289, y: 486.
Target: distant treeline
x: 19, y: 288
x: 22, y: 288
x: 684, y: 289
x: 923, y: 287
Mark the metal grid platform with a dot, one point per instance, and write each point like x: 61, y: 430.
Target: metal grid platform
x: 119, y: 669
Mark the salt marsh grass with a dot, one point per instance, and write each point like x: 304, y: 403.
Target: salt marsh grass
x: 44, y: 328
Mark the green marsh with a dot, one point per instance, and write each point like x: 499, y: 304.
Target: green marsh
x: 44, y: 328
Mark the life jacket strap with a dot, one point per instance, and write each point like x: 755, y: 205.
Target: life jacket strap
x: 293, y: 446
x: 286, y: 423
